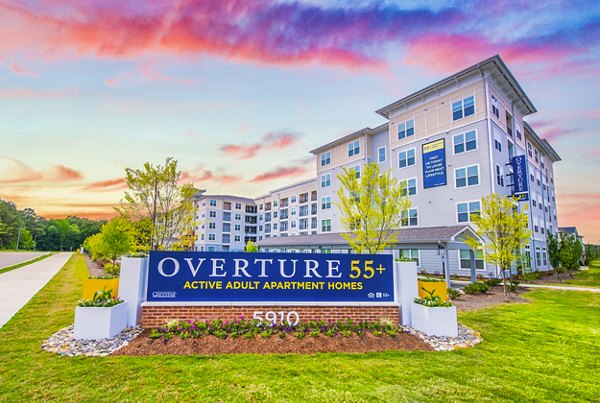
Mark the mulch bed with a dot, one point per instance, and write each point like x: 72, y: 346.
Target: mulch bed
x: 468, y: 302
x: 211, y: 345
x: 94, y: 268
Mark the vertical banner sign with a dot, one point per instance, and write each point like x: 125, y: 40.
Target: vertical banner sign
x: 520, y: 177
x: 434, y: 164
x: 269, y: 277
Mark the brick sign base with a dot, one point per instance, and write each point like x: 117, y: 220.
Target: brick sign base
x: 158, y: 315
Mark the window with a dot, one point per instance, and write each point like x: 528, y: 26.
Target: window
x: 409, y: 218
x: 326, y: 203
x: 356, y: 170
x: 495, y: 107
x: 212, y: 225
x: 237, y: 227
x: 293, y: 224
x: 412, y: 254
x: 354, y: 148
x: 465, y: 259
x: 238, y: 216
x: 537, y: 155
x: 497, y: 145
x: 238, y: 206
x: 529, y: 150
x: 463, y: 108
x: 211, y: 237
x: 527, y: 257
x: 212, y: 214
x: 212, y: 202
x: 326, y: 225
x: 465, y: 142
x: 519, y: 135
x: 325, y: 158
x: 283, y: 226
x: 538, y: 257
x: 226, y: 216
x: 226, y: 238
x: 466, y: 211
x: 410, y: 186
x: 381, y: 154
x: 406, y: 129
x: 467, y: 176
x: 509, y: 124
x: 293, y: 211
x: 293, y: 199
x: 406, y: 158
x: 325, y: 180
x: 500, y: 175
x: 237, y: 238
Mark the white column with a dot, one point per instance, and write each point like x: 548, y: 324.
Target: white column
x: 408, y: 289
x: 132, y: 286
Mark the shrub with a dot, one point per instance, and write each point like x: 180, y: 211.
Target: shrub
x: 454, y: 294
x: 101, y: 299
x: 111, y: 269
x: 477, y: 287
x: 432, y: 302
x: 492, y: 282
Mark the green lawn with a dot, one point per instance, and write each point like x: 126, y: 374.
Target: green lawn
x: 546, y: 350
x: 18, y: 266
x: 590, y: 277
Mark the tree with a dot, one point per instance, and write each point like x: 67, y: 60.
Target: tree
x: 553, y: 245
x: 570, y: 252
x: 504, y: 230
x: 251, y: 247
x: 114, y: 241
x: 371, y: 208
x: 26, y: 240
x: 154, y: 194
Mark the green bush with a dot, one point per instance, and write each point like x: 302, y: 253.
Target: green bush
x: 492, y: 282
x: 453, y: 294
x: 477, y: 287
x: 111, y: 269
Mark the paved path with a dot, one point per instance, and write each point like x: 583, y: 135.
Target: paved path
x: 12, y: 258
x: 460, y: 283
x: 17, y: 287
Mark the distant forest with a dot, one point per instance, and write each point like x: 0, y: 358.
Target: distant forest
x: 25, y: 230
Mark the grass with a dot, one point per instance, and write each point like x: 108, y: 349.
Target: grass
x: 590, y: 277
x: 546, y: 350
x: 18, y: 266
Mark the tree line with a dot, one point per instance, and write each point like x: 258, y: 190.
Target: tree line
x: 26, y: 230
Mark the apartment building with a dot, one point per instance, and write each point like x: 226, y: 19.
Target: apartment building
x: 224, y: 222
x: 452, y: 143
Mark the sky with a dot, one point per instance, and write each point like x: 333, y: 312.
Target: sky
x: 239, y: 91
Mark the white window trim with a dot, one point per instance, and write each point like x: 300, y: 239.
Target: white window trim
x: 384, y: 148
x: 468, y: 212
x: 411, y: 226
x: 467, y: 185
x: 416, y: 186
x: 469, y: 269
x: 405, y: 122
x: 405, y: 151
x: 418, y: 254
x: 464, y: 133
x: 322, y: 159
x: 463, y: 107
x: 322, y: 180
x: 501, y: 169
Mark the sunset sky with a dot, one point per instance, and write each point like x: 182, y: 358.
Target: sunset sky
x: 240, y: 91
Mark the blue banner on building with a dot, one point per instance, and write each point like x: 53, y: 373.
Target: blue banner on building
x: 269, y: 277
x: 434, y: 164
x: 520, y: 177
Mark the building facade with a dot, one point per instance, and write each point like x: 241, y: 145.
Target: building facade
x: 473, y: 122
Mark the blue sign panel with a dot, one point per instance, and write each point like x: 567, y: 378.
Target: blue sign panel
x: 434, y: 164
x: 520, y: 177
x: 269, y: 277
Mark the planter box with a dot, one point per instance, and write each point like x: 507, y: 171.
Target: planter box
x: 435, y: 321
x: 440, y: 288
x: 95, y: 323
x: 91, y: 285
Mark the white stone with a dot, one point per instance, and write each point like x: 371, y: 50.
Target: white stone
x: 435, y: 321
x: 94, y: 323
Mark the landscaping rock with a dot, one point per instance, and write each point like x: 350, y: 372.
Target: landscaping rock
x: 63, y: 343
x: 466, y: 338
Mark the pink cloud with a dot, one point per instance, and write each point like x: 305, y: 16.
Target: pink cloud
x: 19, y: 172
x: 279, y: 173
x: 270, y: 141
x: 107, y: 185
x: 207, y: 175
x: 581, y: 210
x: 22, y: 71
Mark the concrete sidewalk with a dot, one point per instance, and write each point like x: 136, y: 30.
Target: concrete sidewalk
x: 461, y: 283
x: 13, y: 258
x: 17, y: 287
